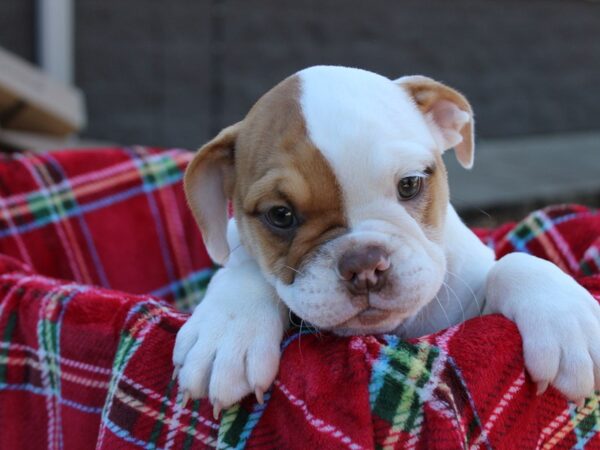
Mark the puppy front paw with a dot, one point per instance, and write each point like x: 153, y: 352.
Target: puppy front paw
x: 558, y: 319
x: 561, y: 340
x: 229, y: 348
x: 226, y: 359
x: 563, y: 349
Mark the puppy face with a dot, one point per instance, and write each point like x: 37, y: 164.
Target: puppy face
x: 339, y: 193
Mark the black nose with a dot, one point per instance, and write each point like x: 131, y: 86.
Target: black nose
x: 364, y: 269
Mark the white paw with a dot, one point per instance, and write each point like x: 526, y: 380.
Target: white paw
x: 559, y: 322
x: 229, y: 348
x: 562, y: 344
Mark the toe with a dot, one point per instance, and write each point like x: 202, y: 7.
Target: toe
x: 575, y: 377
x: 228, y: 383
x: 595, y: 354
x: 542, y: 359
x: 262, y: 364
x: 185, y: 340
x: 195, y: 373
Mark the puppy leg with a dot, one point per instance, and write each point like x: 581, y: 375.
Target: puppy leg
x: 229, y: 347
x: 558, y: 319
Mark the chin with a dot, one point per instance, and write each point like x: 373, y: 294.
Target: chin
x: 370, y: 321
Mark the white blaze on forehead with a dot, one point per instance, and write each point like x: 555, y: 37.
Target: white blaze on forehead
x: 367, y: 128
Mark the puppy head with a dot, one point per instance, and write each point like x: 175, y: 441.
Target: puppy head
x: 339, y: 192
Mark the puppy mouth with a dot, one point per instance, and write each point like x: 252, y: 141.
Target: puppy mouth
x: 370, y: 320
x: 372, y: 316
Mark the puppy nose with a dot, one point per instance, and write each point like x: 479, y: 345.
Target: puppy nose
x: 364, y: 269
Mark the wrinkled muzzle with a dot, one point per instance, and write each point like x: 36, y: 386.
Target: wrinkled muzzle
x: 365, y: 282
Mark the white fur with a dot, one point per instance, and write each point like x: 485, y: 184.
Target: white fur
x: 558, y: 319
x: 371, y: 134
x: 462, y: 296
x: 368, y: 129
x: 229, y: 348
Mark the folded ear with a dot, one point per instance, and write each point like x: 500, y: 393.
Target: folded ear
x: 208, y: 183
x: 448, y: 115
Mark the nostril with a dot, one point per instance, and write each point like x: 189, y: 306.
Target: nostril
x: 364, y: 268
x: 366, y: 259
x: 346, y: 273
x: 383, y: 264
x: 371, y: 276
x: 359, y: 283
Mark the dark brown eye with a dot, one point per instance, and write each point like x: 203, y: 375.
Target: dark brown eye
x: 281, y: 217
x: 409, y: 187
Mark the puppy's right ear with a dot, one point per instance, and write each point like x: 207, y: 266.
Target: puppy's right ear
x: 209, y: 182
x: 448, y: 114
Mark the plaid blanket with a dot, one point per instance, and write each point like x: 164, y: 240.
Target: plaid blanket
x: 84, y: 364
x: 114, y: 217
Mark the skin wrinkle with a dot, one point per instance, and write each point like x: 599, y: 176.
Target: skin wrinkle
x: 369, y: 149
x: 429, y: 208
x: 271, y: 161
x: 276, y: 164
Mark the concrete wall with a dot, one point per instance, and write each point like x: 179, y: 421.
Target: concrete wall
x: 17, y: 27
x: 145, y: 69
x: 172, y: 73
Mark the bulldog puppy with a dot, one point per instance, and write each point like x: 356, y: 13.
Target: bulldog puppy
x: 342, y: 216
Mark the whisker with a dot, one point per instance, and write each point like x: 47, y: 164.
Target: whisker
x: 313, y: 329
x: 300, y: 338
x: 291, y: 317
x: 233, y: 250
x: 489, y: 216
x: 443, y: 310
x: 449, y: 289
x: 479, y: 310
x: 295, y: 270
x: 314, y: 274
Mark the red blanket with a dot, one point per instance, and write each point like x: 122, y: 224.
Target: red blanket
x: 84, y: 366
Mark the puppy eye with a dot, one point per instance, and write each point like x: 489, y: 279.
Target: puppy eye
x: 409, y: 187
x: 281, y: 217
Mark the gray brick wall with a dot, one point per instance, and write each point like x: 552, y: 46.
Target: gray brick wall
x: 172, y: 73
x: 528, y: 67
x: 144, y: 67
x: 16, y: 27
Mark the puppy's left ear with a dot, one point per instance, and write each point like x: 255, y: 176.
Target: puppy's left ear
x: 448, y: 114
x: 209, y: 182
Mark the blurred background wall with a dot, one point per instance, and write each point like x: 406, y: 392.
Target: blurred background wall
x: 173, y: 73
